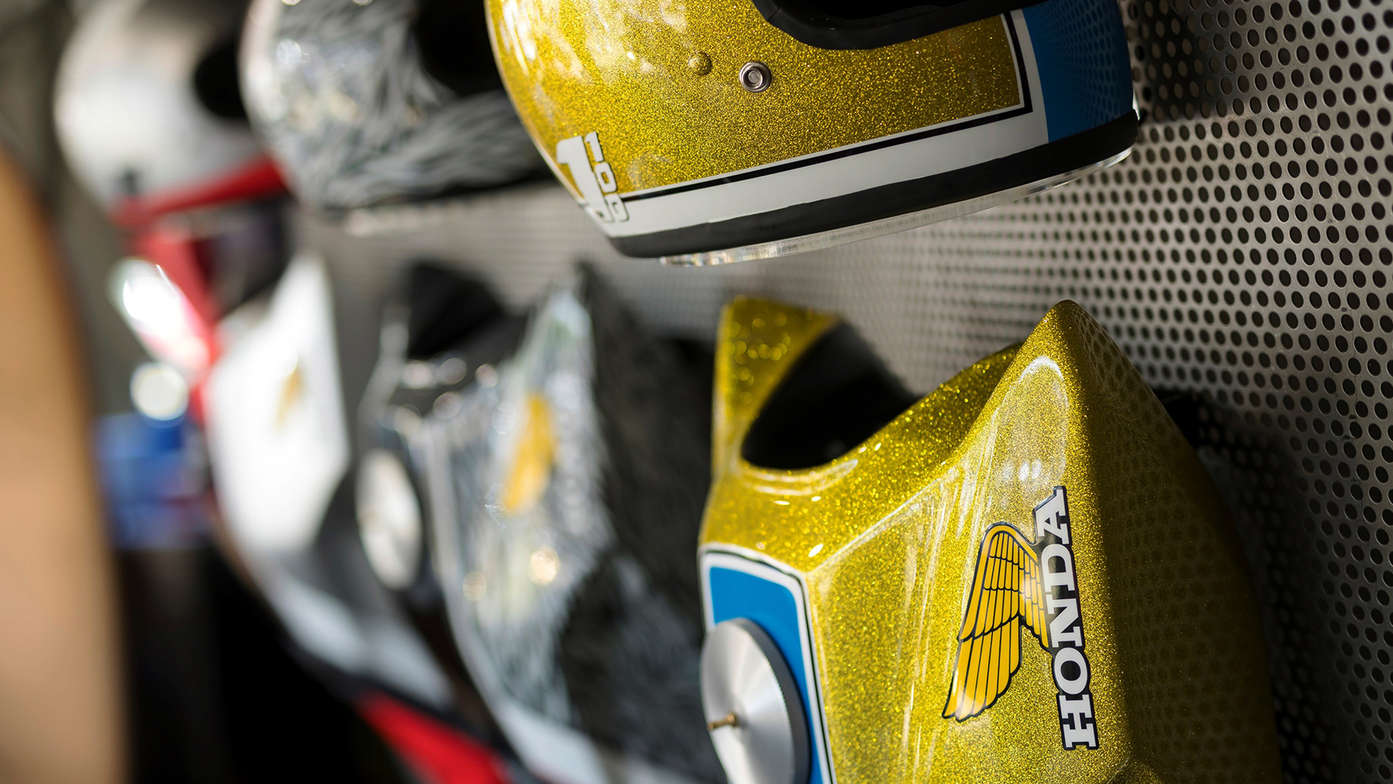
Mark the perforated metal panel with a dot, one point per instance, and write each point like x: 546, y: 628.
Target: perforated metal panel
x: 1241, y: 255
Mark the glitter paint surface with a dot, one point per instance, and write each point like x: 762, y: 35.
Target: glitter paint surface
x: 623, y: 70
x: 886, y: 539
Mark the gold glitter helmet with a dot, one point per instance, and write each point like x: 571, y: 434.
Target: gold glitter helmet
x: 706, y: 133
x: 1024, y: 576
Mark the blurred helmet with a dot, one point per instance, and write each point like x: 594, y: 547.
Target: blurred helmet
x: 709, y: 133
x: 148, y: 111
x: 280, y: 453
x: 365, y: 103
x: 1024, y: 576
x: 434, y: 312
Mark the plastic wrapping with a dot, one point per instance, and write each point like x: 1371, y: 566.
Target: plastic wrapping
x: 566, y: 462
x: 342, y: 94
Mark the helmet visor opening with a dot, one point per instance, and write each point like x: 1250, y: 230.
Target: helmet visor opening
x: 839, y: 24
x: 837, y: 395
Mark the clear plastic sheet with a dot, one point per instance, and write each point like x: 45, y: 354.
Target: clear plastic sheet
x: 340, y: 92
x: 574, y: 477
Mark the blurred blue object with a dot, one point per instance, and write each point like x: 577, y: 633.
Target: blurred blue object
x: 154, y: 478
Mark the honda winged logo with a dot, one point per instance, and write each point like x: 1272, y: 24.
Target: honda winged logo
x: 1032, y: 584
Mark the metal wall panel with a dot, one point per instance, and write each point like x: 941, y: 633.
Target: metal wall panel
x: 1240, y: 256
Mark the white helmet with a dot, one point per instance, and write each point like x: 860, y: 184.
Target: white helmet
x: 148, y: 110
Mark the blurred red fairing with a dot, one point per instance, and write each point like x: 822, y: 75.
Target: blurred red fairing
x: 438, y: 753
x: 258, y: 179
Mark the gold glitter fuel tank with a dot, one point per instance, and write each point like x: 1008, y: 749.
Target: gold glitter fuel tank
x: 1022, y: 577
x: 707, y: 131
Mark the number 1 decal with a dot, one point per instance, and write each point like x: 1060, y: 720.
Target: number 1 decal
x: 593, y: 176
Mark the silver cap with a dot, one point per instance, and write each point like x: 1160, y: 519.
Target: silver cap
x: 752, y: 706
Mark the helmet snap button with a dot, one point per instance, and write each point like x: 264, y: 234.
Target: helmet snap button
x: 755, y: 77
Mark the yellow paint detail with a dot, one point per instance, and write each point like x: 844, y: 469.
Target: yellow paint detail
x: 1006, y: 593
x: 892, y: 538
x: 624, y: 70
x: 291, y: 391
x: 534, y: 451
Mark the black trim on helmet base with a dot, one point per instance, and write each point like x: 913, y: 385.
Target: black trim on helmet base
x: 888, y: 201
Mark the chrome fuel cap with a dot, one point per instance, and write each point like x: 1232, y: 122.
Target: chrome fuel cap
x: 752, y: 706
